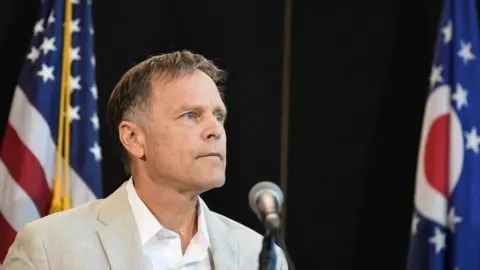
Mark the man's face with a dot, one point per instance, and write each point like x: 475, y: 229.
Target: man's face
x: 185, y: 139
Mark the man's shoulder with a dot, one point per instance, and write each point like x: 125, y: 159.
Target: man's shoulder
x: 51, y: 239
x: 237, y: 228
x: 247, y: 239
x: 81, y: 217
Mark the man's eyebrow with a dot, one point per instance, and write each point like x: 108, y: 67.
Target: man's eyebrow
x: 220, y: 109
x: 216, y: 109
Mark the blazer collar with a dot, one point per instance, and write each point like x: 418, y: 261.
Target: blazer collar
x: 224, y: 244
x: 119, y: 236
x: 121, y: 241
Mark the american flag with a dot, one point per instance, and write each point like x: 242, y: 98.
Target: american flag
x: 446, y: 221
x: 28, y: 154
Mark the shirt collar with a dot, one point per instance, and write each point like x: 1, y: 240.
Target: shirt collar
x: 148, y: 226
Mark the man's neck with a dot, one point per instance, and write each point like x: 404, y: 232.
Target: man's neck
x: 173, y: 210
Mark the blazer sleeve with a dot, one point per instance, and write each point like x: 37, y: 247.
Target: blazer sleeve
x: 282, y: 263
x: 27, y: 251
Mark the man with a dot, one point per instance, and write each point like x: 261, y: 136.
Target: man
x: 169, y: 116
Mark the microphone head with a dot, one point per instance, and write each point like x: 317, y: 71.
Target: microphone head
x: 262, y: 187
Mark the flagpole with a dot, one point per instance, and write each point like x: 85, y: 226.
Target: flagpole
x: 66, y: 77
x: 59, y: 203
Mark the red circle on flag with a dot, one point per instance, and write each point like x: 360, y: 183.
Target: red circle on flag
x: 436, y: 154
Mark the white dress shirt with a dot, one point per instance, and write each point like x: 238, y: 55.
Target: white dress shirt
x: 163, y: 247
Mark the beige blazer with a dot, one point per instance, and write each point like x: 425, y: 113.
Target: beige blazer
x: 102, y: 234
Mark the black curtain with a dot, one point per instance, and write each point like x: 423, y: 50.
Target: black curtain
x: 359, y: 75
x: 359, y: 80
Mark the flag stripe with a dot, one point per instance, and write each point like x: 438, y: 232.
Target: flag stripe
x: 24, y: 118
x: 26, y: 170
x: 15, y: 205
x: 8, y: 235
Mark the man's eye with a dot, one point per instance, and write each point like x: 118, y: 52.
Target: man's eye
x: 219, y: 117
x: 190, y: 115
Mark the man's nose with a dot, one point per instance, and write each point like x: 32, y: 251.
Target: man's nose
x: 213, y: 129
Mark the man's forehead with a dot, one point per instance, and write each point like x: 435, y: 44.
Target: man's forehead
x: 188, y: 96
x: 202, y: 104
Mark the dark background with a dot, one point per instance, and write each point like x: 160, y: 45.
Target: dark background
x: 359, y: 75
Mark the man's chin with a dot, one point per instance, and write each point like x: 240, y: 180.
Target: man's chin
x: 213, y: 182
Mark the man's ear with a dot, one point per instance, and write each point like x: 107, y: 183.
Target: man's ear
x: 132, y: 138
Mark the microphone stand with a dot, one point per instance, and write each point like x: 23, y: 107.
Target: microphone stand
x: 268, y: 258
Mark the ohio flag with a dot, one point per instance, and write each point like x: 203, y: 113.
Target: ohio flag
x: 446, y: 221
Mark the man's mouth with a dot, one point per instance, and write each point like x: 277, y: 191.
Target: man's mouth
x: 213, y: 154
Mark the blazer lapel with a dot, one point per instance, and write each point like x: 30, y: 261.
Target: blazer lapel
x: 119, y: 235
x: 223, y: 243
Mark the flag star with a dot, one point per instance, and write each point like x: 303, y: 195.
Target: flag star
x: 436, y: 75
x: 48, y: 45
x: 92, y: 60
x: 415, y: 222
x: 453, y: 219
x: 96, y: 151
x: 473, y: 140
x: 46, y: 73
x: 94, y: 91
x: 75, y: 83
x: 438, y: 240
x: 33, y: 55
x: 465, y: 52
x: 91, y: 31
x: 75, y: 26
x: 447, y: 32
x: 95, y: 121
x: 51, y: 18
x: 74, y: 113
x: 460, y: 96
x: 38, y: 28
x: 75, y: 53
x: 75, y: 2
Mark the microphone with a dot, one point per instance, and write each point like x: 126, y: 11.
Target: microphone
x: 266, y: 199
